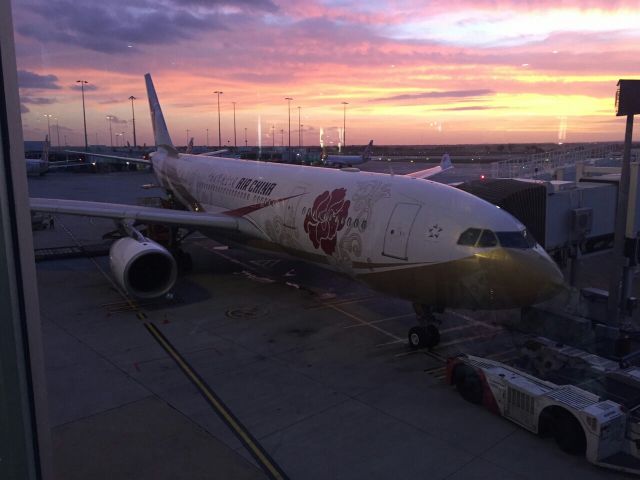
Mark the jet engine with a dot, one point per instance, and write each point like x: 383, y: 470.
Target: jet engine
x: 142, y: 267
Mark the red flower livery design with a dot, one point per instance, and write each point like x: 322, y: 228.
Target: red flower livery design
x: 326, y: 218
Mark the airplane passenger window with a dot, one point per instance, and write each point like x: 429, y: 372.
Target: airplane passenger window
x: 487, y: 239
x: 469, y: 237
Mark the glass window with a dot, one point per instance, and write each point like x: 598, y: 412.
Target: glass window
x: 521, y: 239
x: 487, y: 239
x: 469, y: 237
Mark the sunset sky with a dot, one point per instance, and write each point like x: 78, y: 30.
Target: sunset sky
x: 412, y: 72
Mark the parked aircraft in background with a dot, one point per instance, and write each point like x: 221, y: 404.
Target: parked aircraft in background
x: 40, y: 166
x: 348, y: 160
x: 404, y: 235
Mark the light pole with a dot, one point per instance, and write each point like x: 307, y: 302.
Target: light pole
x: 48, y: 128
x: 288, y: 99
x: 110, y: 117
x: 301, y: 127
x: 235, y: 140
x: 207, y: 138
x: 344, y: 124
x: 58, y: 132
x: 84, y: 115
x: 299, y: 131
x: 282, y: 137
x: 133, y: 113
x: 217, y: 92
x: 245, y: 137
x: 273, y: 140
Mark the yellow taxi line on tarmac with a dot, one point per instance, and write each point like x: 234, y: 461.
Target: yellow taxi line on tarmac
x: 364, y: 323
x: 380, y: 320
x: 272, y: 470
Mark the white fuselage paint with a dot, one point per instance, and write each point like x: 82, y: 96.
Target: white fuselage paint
x: 369, y: 223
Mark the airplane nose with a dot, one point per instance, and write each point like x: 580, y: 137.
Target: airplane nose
x: 520, y: 278
x: 545, y: 273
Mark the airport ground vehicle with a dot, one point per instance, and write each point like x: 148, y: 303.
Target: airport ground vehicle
x: 597, y: 414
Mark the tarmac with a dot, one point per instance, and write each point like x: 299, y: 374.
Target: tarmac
x: 314, y: 365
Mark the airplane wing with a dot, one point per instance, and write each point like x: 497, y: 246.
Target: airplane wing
x: 445, y: 164
x: 214, y: 153
x: 113, y: 157
x: 118, y: 211
x: 56, y: 165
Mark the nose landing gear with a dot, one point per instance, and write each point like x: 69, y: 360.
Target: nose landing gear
x: 427, y: 334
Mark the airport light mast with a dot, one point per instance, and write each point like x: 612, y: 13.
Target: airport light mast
x: 235, y: 139
x: 288, y: 99
x: 133, y: 113
x: 48, y: 127
x: 218, y: 92
x: 299, y: 131
x: 301, y: 127
x: 58, y: 132
x: 84, y: 115
x: 110, y: 117
x: 245, y: 137
x: 627, y: 104
x: 344, y: 123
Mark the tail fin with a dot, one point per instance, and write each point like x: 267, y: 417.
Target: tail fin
x: 366, y: 154
x: 160, y: 131
x: 190, y: 146
x: 445, y: 163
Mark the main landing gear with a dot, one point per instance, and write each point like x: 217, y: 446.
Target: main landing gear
x: 426, y: 334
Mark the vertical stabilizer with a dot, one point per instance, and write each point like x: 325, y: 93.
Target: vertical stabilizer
x: 366, y: 155
x: 160, y: 131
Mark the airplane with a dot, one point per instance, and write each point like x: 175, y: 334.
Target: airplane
x: 348, y: 160
x: 40, y: 166
x: 403, y: 235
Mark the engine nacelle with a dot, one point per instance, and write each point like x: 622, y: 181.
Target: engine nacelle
x: 144, y: 269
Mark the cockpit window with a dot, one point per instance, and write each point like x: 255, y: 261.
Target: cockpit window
x: 521, y: 239
x: 487, y: 239
x: 469, y: 237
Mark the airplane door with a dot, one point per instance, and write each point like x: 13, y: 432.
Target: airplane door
x: 398, y: 230
x: 292, y: 207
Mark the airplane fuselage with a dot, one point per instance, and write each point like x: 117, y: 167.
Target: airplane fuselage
x: 398, y: 234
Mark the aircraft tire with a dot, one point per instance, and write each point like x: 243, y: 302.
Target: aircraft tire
x: 423, y: 337
x: 433, y: 336
x: 417, y: 337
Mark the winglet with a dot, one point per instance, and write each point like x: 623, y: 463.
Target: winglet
x: 160, y: 131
